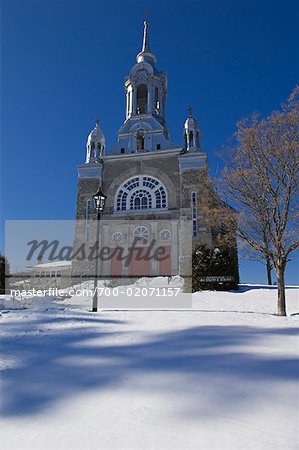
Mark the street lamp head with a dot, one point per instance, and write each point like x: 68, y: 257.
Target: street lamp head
x: 99, y: 200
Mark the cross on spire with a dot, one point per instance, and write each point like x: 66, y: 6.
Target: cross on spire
x: 190, y: 110
x: 97, y: 122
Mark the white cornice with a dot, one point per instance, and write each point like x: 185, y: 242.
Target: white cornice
x: 89, y: 170
x: 146, y: 155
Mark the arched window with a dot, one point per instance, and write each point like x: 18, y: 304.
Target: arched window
x: 92, y: 150
x: 194, y: 213
x: 129, y: 103
x: 191, y: 139
x: 87, y: 219
x: 139, y: 193
x: 140, y: 140
x: 144, y: 202
x: 141, y: 199
x: 157, y: 103
x: 136, y: 203
x: 142, y: 99
x: 186, y: 140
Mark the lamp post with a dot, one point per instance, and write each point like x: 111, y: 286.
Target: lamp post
x: 99, y: 200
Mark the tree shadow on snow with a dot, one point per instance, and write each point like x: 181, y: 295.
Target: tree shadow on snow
x: 53, y: 364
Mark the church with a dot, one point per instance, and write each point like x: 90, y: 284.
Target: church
x: 150, y: 182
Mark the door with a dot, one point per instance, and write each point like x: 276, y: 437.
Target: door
x: 139, y: 266
x: 116, y: 266
x: 165, y: 264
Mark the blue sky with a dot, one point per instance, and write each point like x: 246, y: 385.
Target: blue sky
x: 64, y: 63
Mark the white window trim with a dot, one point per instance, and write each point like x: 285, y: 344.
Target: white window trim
x: 194, y: 216
x: 130, y: 193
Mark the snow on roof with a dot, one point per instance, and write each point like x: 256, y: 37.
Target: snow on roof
x: 53, y: 264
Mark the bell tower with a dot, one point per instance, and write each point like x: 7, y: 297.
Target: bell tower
x: 144, y: 128
x: 146, y: 88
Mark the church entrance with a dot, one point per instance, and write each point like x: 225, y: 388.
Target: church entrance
x: 140, y: 266
x: 165, y: 264
x: 116, y: 266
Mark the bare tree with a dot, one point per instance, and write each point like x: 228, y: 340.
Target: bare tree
x: 261, y: 181
x: 217, y: 215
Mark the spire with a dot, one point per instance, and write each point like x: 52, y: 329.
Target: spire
x: 145, y: 44
x: 146, y: 55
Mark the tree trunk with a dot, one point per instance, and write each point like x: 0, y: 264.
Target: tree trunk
x: 281, y: 290
x: 269, y: 268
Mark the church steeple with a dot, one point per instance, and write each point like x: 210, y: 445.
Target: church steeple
x: 144, y: 128
x: 146, y: 55
x: 146, y: 87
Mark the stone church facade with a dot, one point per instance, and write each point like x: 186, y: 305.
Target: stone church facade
x: 151, y: 183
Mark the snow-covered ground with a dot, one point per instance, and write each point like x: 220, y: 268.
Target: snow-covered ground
x: 220, y: 376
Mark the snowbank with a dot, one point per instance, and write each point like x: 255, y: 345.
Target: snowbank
x: 221, y: 376
x: 10, y: 302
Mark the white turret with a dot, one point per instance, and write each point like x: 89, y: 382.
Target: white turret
x: 191, y: 133
x: 95, y: 147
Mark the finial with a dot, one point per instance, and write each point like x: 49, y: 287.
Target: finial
x: 190, y: 110
x: 145, y: 44
x: 97, y: 122
x: 146, y: 55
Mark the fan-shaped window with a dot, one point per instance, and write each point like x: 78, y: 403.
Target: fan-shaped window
x: 142, y: 99
x: 141, y: 193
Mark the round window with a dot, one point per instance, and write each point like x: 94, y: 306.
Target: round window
x: 165, y: 235
x: 141, y: 234
x: 117, y: 237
